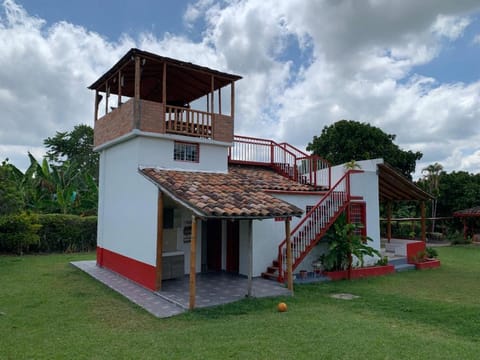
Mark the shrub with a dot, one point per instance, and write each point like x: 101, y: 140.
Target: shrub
x: 19, y: 232
x: 67, y: 233
x: 457, y: 238
x: 431, y: 252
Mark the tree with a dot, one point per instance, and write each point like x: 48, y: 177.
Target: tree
x: 431, y: 176
x: 74, y: 147
x: 348, y: 140
x: 10, y: 197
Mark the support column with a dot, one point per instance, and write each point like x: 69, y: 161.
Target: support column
x: 389, y: 221
x: 232, y: 100
x: 119, y: 101
x: 193, y: 258
x: 289, y: 255
x: 212, y: 109
x: 250, y: 259
x: 97, y: 102
x: 136, y: 96
x: 158, y: 263
x: 424, y: 222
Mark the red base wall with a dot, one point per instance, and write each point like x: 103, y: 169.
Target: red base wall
x: 413, y: 249
x: 361, y: 272
x: 132, y: 269
x: 429, y: 264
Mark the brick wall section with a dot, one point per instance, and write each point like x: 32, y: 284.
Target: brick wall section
x: 223, y: 130
x: 114, y: 124
x: 152, y: 117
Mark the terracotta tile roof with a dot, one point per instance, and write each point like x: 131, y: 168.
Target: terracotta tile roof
x: 472, y: 212
x: 241, y: 193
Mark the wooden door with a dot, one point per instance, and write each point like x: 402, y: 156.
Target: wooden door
x: 233, y: 244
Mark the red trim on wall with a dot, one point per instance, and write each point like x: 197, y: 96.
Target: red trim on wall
x: 132, y: 269
x: 358, y: 273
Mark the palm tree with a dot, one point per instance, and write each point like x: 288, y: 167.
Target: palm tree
x: 432, y: 177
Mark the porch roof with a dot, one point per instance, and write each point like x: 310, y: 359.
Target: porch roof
x: 242, y: 193
x: 394, y: 186
x: 472, y: 212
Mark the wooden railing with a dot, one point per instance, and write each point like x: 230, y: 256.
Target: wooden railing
x: 284, y: 158
x: 185, y: 121
x: 314, y: 225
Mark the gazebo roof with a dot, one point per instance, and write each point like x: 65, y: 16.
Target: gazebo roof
x: 472, y: 212
x: 185, y: 81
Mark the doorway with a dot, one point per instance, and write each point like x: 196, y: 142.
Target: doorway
x: 233, y: 246
x: 214, y: 245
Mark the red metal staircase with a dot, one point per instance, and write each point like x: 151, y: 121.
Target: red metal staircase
x: 312, y: 228
x: 298, y: 166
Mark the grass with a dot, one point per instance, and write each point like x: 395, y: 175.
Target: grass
x: 50, y: 310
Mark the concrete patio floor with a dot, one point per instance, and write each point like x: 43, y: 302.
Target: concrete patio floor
x: 211, y: 289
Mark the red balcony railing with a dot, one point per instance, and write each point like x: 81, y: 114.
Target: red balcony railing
x: 284, y: 158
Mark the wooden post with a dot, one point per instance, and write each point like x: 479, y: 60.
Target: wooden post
x: 389, y: 221
x: 158, y: 275
x: 136, y: 89
x: 424, y: 222
x: 250, y: 259
x: 220, y: 101
x: 119, y: 101
x: 164, y: 85
x: 107, y: 95
x: 136, y: 96
x: 289, y: 255
x: 212, y: 95
x: 95, y: 109
x: 193, y: 258
x: 232, y: 100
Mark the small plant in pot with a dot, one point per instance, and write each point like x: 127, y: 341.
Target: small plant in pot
x: 431, y: 253
x: 343, y: 245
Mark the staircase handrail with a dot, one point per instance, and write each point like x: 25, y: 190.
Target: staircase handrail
x: 345, y: 178
x: 281, y: 156
x: 294, y: 149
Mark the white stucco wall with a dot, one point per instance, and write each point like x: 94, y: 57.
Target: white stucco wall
x: 244, y: 246
x: 127, y: 220
x: 268, y: 234
x: 127, y: 214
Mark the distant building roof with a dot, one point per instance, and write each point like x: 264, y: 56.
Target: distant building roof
x: 472, y: 212
x: 243, y: 192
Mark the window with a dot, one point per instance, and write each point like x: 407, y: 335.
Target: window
x: 183, y: 151
x: 358, y: 218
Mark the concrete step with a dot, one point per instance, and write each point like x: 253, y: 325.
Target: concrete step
x: 404, y: 267
x: 397, y: 261
x: 270, y: 276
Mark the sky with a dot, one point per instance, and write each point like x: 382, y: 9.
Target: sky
x: 408, y: 67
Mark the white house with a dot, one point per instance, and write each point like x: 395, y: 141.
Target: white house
x: 180, y: 194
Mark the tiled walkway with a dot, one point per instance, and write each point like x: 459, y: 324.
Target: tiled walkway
x: 212, y: 289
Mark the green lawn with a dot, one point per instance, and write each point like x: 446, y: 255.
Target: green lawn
x: 50, y: 310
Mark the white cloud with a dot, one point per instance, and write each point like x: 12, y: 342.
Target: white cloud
x: 353, y: 60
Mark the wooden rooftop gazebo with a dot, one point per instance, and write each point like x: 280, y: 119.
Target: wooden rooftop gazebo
x: 150, y: 93
x: 393, y: 186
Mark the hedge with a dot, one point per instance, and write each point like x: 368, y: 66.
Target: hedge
x: 49, y: 233
x: 19, y: 232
